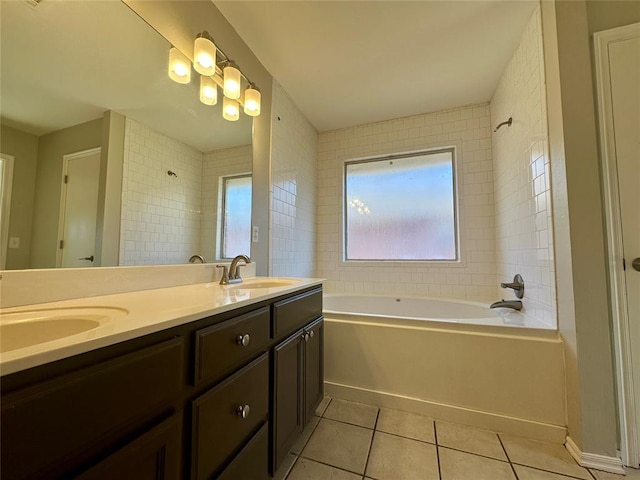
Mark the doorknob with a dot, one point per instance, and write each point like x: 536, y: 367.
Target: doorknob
x: 87, y: 258
x: 636, y: 264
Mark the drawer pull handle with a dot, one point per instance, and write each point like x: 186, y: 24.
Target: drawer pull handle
x: 243, y: 340
x: 243, y: 411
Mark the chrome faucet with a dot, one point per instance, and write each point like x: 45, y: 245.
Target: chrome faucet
x: 513, y: 304
x: 197, y: 257
x: 232, y: 274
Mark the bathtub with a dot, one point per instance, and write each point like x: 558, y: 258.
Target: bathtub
x: 456, y: 361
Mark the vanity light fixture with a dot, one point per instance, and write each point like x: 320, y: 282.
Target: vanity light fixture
x: 252, y: 98
x: 231, y: 76
x: 230, y: 109
x: 179, y: 66
x: 216, y: 70
x: 208, y: 91
x: 204, y: 54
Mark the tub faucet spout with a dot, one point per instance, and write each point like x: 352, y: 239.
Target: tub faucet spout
x: 513, y: 304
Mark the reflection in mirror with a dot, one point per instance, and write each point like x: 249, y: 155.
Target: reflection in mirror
x: 81, y: 76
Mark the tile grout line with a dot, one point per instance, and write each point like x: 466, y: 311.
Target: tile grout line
x: 435, y: 438
x: 366, y: 463
x: 513, y: 469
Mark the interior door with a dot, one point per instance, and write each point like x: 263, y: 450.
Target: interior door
x: 624, y: 58
x: 79, y: 209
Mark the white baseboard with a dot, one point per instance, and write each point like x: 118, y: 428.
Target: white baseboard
x: 592, y: 460
x: 452, y: 413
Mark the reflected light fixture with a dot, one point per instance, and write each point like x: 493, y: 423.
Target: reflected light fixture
x: 179, y: 66
x: 252, y: 99
x: 208, y: 91
x: 230, y: 109
x: 216, y: 70
x: 204, y: 54
x: 231, y: 76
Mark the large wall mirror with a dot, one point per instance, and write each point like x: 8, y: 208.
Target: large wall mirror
x: 86, y: 82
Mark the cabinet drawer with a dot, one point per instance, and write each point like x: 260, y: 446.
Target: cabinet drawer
x: 222, y: 348
x: 293, y: 313
x: 69, y: 419
x: 218, y: 427
x: 252, y: 462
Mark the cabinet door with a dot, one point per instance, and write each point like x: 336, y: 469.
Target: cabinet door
x: 154, y: 455
x: 288, y: 414
x: 313, y: 367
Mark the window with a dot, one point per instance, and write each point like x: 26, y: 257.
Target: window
x: 401, y: 208
x: 236, y: 216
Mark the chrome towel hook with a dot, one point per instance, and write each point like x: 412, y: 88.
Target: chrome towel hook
x: 507, y: 123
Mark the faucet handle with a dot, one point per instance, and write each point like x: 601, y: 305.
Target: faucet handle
x: 225, y: 274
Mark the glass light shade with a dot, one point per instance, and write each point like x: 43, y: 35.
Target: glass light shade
x: 179, y: 66
x: 252, y: 98
x: 231, y: 81
x: 230, y: 109
x: 208, y: 91
x: 204, y: 56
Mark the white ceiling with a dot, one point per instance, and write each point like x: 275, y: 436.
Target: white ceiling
x: 347, y: 63
x: 67, y: 62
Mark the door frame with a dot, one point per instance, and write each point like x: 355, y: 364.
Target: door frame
x: 629, y: 447
x: 63, y: 195
x: 7, y: 180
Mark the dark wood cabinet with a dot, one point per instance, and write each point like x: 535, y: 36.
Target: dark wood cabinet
x: 298, y: 387
x: 221, y: 397
x: 155, y: 455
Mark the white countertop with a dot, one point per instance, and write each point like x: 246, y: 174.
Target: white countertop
x: 147, y: 311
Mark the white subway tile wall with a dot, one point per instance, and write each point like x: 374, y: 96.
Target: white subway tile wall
x: 160, y: 213
x: 294, y: 182
x: 474, y: 276
x: 522, y: 177
x: 216, y: 164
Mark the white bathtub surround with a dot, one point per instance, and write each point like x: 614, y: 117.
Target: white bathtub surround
x: 216, y: 164
x: 294, y: 185
x: 30, y: 287
x: 494, y: 378
x: 160, y: 213
x: 521, y: 177
x: 468, y: 130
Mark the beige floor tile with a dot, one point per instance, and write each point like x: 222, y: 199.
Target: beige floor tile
x: 406, y: 424
x: 630, y: 474
x: 528, y: 473
x: 304, y: 437
x: 340, y: 445
x: 470, y: 440
x: 546, y: 456
x: 397, y: 458
x: 307, y: 469
x: 352, y: 412
x: 323, y: 406
x: 456, y: 465
x: 285, y: 467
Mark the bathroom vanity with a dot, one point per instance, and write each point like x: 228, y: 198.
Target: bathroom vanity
x: 219, y: 395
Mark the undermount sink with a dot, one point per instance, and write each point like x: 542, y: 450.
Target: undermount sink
x: 266, y: 283
x: 24, y: 328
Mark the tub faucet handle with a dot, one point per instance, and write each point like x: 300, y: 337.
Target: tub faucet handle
x: 517, y: 285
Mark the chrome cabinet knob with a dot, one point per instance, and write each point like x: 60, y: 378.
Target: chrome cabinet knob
x: 635, y: 263
x: 243, y: 411
x: 243, y: 340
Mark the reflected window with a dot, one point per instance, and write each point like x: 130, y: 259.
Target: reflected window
x: 236, y: 216
x: 401, y: 207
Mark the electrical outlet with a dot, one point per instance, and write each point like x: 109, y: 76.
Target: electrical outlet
x: 14, y: 242
x: 254, y: 234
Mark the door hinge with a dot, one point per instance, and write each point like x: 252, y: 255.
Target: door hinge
x: 61, y: 244
x: 66, y: 179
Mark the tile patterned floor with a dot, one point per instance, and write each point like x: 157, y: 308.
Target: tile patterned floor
x: 352, y: 441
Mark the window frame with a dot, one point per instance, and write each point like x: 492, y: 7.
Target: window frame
x: 456, y: 205
x: 223, y: 208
